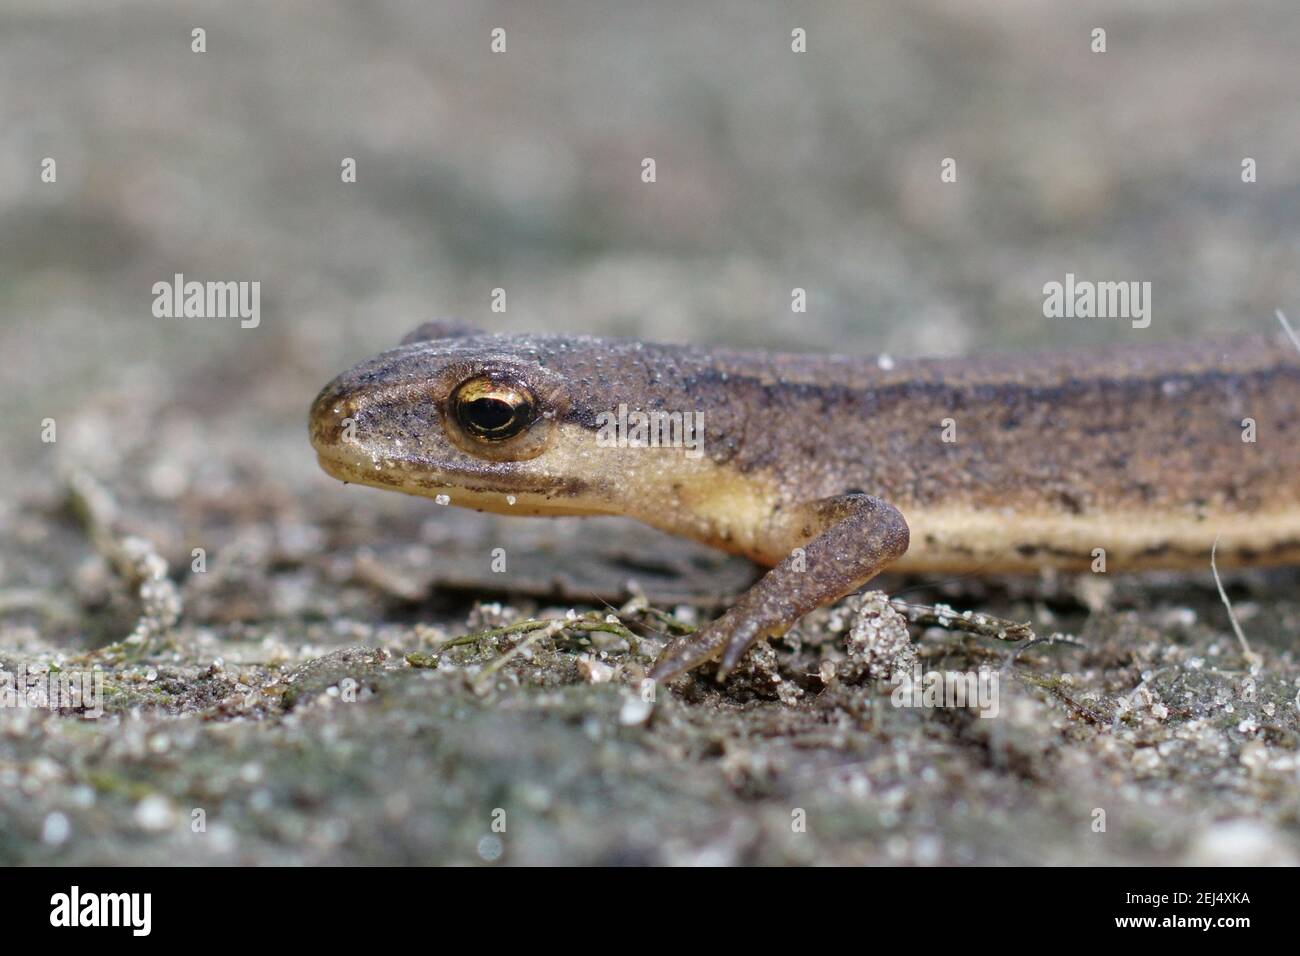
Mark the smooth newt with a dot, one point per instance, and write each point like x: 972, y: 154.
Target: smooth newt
x: 830, y: 468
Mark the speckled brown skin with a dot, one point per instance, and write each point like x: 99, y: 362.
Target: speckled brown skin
x: 1053, y: 458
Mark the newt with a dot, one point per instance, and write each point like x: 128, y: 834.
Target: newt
x: 829, y: 469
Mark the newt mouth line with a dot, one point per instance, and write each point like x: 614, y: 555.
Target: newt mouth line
x: 357, y: 473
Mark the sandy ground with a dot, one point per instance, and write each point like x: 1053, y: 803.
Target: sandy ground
x: 304, y: 696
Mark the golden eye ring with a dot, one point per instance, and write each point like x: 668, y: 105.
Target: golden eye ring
x: 492, y: 410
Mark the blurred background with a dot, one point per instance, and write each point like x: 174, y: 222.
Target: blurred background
x: 522, y: 171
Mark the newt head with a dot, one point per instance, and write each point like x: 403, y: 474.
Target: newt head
x: 543, y: 425
x: 477, y: 418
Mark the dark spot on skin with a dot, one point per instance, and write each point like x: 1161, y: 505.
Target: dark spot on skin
x: 1027, y: 550
x: 1071, y: 503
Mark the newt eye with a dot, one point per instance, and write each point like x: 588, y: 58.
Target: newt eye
x: 493, y: 410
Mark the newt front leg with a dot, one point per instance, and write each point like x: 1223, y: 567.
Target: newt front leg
x: 846, y: 541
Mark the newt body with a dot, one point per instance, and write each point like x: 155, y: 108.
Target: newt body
x: 830, y: 468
